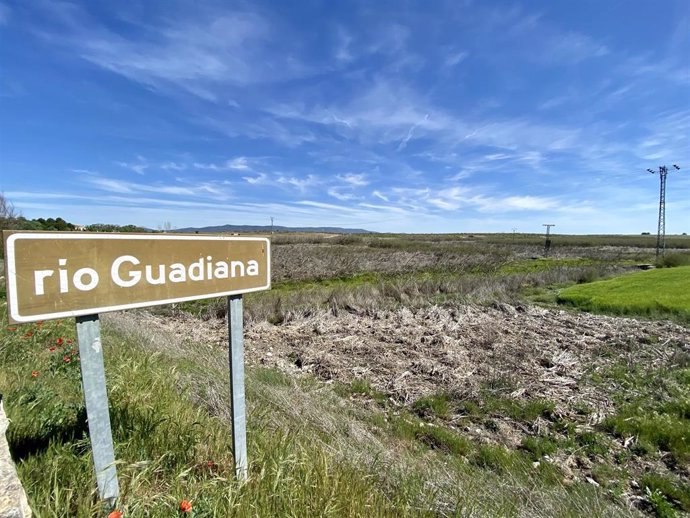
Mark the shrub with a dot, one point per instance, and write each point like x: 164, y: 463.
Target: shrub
x: 675, y: 259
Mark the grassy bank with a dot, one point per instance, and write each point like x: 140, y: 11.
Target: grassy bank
x: 168, y: 448
x: 650, y: 293
x: 314, y: 449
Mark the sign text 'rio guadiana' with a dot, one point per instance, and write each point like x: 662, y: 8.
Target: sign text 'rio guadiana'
x: 55, y: 275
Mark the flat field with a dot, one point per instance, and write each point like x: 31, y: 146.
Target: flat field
x: 387, y: 375
x: 665, y: 291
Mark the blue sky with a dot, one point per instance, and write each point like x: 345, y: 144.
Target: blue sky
x: 391, y: 116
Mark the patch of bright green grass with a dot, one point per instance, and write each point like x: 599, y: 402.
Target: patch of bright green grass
x: 526, y: 411
x: 443, y: 439
x: 654, y: 432
x: 435, y: 405
x: 543, y: 264
x: 539, y: 446
x: 655, y: 292
x: 675, y: 491
x: 653, y: 406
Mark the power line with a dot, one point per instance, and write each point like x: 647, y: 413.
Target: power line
x: 547, y: 241
x: 661, y: 228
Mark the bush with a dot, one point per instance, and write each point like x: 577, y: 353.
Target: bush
x: 673, y: 260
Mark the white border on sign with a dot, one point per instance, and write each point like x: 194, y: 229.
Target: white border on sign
x: 10, y: 273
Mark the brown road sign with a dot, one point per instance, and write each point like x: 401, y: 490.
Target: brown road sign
x: 66, y: 274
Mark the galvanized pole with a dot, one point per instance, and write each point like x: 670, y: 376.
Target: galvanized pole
x: 96, y: 399
x: 239, y: 419
x: 547, y: 241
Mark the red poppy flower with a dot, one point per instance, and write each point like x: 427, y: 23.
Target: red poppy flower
x: 66, y: 359
x: 29, y: 334
x: 115, y: 514
x: 34, y: 374
x: 58, y: 341
x: 12, y: 329
x: 69, y: 340
x: 185, y: 506
x: 52, y: 348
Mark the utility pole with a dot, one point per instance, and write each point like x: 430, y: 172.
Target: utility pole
x: 514, y: 230
x: 547, y: 242
x: 661, y: 229
x: 271, y: 224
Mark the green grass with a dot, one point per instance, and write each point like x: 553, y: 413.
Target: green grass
x: 650, y: 293
x: 542, y: 264
x: 435, y: 405
x: 653, y: 407
x: 326, y: 450
x: 168, y: 448
x: 672, y: 489
x: 312, y: 453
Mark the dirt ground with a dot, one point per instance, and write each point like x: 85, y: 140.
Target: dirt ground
x: 521, y: 352
x: 408, y: 354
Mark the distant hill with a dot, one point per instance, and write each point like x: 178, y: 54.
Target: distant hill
x: 276, y: 228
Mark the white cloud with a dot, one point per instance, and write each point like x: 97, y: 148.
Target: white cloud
x: 354, y: 179
x: 377, y: 194
x: 173, y: 166
x: 124, y: 187
x: 302, y: 184
x: 260, y: 179
x: 198, y: 51
x: 235, y: 164
x: 343, y: 52
x: 522, y: 203
x: 4, y: 14
x: 339, y: 194
x: 571, y: 48
x: 138, y: 167
x: 455, y: 58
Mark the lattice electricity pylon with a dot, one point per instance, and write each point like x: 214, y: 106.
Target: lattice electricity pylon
x: 661, y: 229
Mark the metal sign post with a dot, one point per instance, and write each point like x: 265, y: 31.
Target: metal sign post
x: 96, y: 399
x: 79, y: 274
x: 237, y: 402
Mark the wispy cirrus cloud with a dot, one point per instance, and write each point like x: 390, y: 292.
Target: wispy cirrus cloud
x: 340, y: 194
x: 240, y: 163
x: 4, y: 14
x: 354, y: 179
x: 259, y: 179
x: 125, y: 187
x: 302, y: 184
x: 199, y: 52
x: 453, y: 112
x: 139, y: 167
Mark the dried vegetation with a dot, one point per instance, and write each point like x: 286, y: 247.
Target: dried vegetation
x: 439, y: 342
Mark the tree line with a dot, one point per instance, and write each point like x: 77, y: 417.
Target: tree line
x: 11, y: 219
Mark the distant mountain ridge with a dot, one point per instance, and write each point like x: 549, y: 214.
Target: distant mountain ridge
x: 276, y: 228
